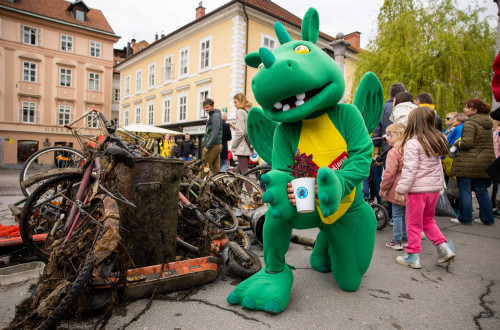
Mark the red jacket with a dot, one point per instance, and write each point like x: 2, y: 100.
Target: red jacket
x: 495, y: 82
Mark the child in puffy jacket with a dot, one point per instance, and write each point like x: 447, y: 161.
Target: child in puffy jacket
x: 421, y: 181
x: 392, y: 174
x: 403, y: 106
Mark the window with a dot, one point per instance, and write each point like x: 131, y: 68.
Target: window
x: 28, y: 112
x: 182, y: 107
x: 30, y: 35
x: 65, y: 77
x: 125, y: 116
x: 268, y: 42
x: 29, y: 71
x: 127, y: 85
x: 202, y: 96
x: 92, y: 119
x: 93, y: 81
x: 66, y: 43
x: 151, y: 113
x: 64, y: 115
x: 151, y: 75
x: 138, y: 81
x: 167, y: 104
x: 184, y: 62
x: 205, y: 54
x: 138, y: 114
x: 95, y: 49
x: 116, y: 95
x: 79, y: 15
x: 167, y: 69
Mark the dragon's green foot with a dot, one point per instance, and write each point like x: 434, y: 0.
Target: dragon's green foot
x: 320, y: 259
x: 268, y: 292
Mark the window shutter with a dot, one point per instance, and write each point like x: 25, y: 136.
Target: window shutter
x: 37, y: 114
x: 20, y: 28
x: 20, y: 114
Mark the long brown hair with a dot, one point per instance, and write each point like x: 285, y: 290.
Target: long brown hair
x: 421, y: 125
x: 243, y: 101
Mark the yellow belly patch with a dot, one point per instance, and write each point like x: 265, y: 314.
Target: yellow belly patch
x: 321, y: 138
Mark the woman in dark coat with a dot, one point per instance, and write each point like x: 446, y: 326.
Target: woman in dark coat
x: 476, y: 153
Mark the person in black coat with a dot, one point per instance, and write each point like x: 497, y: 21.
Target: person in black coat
x: 226, y: 136
x: 187, y: 148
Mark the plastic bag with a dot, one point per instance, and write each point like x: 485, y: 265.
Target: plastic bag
x: 443, y: 207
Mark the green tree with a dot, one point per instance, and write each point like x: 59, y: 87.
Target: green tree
x: 434, y: 47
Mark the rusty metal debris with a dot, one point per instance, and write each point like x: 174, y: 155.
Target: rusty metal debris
x: 213, y: 215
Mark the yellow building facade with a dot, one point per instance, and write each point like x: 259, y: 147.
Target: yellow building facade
x: 165, y: 84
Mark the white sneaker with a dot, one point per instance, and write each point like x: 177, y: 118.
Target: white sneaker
x: 479, y: 221
x: 455, y: 220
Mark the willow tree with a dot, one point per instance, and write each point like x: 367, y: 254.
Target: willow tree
x: 434, y: 47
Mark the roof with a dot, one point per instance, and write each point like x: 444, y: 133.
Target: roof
x: 282, y: 14
x: 58, y: 9
x: 265, y: 6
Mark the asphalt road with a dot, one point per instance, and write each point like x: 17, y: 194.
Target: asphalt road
x: 462, y: 295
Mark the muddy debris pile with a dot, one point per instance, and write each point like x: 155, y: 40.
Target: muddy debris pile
x: 92, y: 269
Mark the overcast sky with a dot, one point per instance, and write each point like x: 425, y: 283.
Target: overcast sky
x: 141, y: 19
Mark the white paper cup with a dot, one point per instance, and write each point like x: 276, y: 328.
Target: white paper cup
x: 304, y: 189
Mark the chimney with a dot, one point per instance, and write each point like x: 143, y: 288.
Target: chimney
x: 354, y: 38
x: 156, y: 36
x: 200, y: 11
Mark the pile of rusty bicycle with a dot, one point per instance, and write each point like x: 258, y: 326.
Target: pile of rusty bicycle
x: 71, y: 220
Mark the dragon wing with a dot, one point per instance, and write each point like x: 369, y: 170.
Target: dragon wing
x: 369, y: 100
x: 261, y: 133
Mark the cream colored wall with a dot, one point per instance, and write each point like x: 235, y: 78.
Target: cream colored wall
x: 46, y: 91
x: 216, y: 78
x: 350, y: 68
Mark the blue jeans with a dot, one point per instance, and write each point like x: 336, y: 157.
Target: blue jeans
x: 187, y: 158
x: 465, y: 198
x: 494, y: 191
x: 223, y: 165
x: 376, y: 175
x: 398, y: 223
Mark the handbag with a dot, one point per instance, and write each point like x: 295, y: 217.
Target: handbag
x: 493, y: 170
x: 247, y: 140
x: 443, y: 207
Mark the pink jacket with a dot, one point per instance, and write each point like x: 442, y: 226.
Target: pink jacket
x: 392, y: 174
x: 496, y: 142
x: 421, y: 174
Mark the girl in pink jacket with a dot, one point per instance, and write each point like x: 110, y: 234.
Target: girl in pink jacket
x: 421, y: 181
x: 392, y: 174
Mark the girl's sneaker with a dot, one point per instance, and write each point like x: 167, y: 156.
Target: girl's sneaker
x: 394, y: 245
x: 411, y: 260
x: 404, y: 243
x: 445, y: 252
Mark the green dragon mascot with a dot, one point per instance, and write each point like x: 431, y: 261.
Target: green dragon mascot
x: 299, y: 88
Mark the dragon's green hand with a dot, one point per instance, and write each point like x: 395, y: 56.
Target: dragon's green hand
x: 329, y: 191
x: 276, y: 195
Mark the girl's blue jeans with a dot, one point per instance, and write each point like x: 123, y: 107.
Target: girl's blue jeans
x: 398, y: 223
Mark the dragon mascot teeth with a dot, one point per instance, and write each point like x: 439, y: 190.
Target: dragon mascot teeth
x: 299, y: 88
